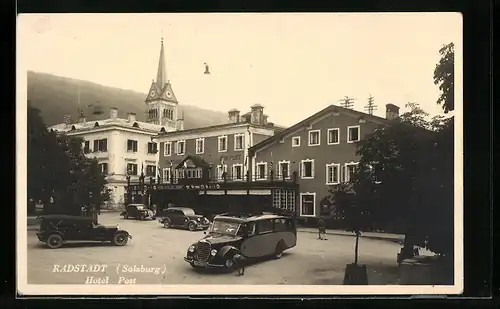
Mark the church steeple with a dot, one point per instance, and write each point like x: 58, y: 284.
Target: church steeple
x: 161, y: 75
x: 161, y: 100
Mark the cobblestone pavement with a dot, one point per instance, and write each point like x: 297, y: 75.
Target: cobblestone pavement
x: 312, y: 261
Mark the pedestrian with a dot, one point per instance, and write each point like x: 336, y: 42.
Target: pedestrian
x: 322, y: 229
x: 239, y: 263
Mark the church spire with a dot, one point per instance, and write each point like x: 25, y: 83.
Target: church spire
x: 161, y: 76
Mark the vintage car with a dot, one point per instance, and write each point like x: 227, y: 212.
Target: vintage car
x: 267, y: 235
x: 138, y: 212
x: 184, y: 217
x: 55, y: 230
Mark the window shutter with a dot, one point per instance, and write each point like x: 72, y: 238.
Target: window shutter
x: 301, y: 166
x: 312, y: 169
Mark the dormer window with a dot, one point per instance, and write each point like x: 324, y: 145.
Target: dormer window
x: 162, y: 130
x: 96, y: 124
x: 73, y: 128
x: 135, y: 125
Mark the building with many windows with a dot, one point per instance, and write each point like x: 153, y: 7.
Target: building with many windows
x: 125, y: 146
x: 320, y: 149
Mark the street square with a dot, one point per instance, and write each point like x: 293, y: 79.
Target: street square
x: 311, y: 262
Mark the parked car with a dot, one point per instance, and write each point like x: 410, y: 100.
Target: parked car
x: 55, y: 230
x: 253, y: 236
x: 138, y: 212
x: 184, y: 217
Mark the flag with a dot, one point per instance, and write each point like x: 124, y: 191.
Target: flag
x: 142, y: 168
x: 222, y: 160
x: 185, y: 164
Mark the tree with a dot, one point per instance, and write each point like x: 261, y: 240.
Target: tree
x: 85, y: 184
x: 58, y: 169
x: 41, y: 149
x: 444, y: 75
x: 355, y: 211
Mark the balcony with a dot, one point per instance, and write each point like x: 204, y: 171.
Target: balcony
x: 226, y: 181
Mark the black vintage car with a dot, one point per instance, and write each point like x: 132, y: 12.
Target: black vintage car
x: 184, y: 217
x: 55, y: 230
x: 252, y: 236
x: 138, y: 212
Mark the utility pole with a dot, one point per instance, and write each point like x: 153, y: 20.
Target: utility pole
x: 370, y: 107
x: 347, y: 102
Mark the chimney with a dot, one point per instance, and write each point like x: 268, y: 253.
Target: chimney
x: 131, y: 117
x: 234, y: 116
x: 257, y: 116
x: 81, y: 118
x: 113, y: 113
x: 391, y: 111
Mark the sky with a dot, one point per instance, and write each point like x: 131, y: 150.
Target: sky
x: 292, y: 64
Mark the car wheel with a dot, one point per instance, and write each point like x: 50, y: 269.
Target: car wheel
x: 194, y: 266
x: 54, y: 241
x: 125, y: 216
x: 278, y: 252
x: 192, y: 226
x: 120, y: 239
x: 166, y: 223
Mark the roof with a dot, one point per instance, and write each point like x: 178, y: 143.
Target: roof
x: 181, y: 208
x: 329, y: 109
x: 66, y: 217
x: 217, y: 126
x: 250, y: 218
x: 198, y: 161
x: 124, y: 123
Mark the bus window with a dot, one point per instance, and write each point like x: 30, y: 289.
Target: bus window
x: 264, y: 226
x: 280, y: 225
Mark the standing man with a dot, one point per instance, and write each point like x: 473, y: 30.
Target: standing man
x: 238, y: 259
x: 322, y: 229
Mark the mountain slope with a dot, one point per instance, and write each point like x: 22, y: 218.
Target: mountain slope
x: 56, y: 96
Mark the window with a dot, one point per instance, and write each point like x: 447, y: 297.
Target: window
x: 350, y: 169
x: 333, y: 136
x: 237, y: 172
x: 261, y: 169
x: 221, y: 169
x: 352, y: 134
x: 167, y: 150
x: 307, y: 204
x: 314, y: 137
x: 131, y: 145
x: 103, y: 167
x: 223, y: 143
x: 307, y: 169
x: 96, y: 145
x: 152, y: 147
x: 283, y: 169
x: 103, y: 145
x: 296, y: 141
x: 265, y: 226
x: 166, y: 175
x: 132, y: 168
x: 238, y: 141
x: 332, y: 174
x: 181, y: 147
x: 284, y: 199
x: 281, y: 225
x: 86, y: 147
x: 151, y: 170
x: 168, y: 113
x: 200, y: 145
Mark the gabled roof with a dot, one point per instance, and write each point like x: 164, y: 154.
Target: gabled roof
x: 329, y: 109
x: 197, y: 161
